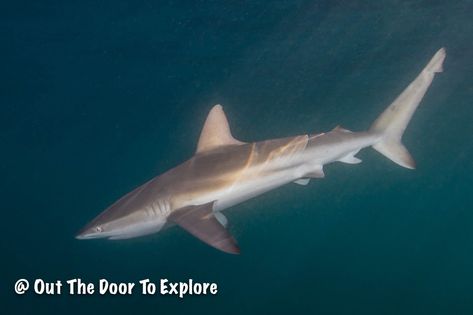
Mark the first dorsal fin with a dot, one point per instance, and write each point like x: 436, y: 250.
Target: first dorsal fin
x: 216, y: 131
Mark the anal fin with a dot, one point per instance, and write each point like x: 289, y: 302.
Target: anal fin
x: 302, y: 181
x: 200, y: 221
x: 350, y: 158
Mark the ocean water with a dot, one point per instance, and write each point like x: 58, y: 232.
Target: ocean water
x: 99, y: 96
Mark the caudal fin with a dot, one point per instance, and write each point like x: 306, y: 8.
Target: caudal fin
x: 393, y: 121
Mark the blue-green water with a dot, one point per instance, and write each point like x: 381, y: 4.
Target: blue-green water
x: 100, y: 96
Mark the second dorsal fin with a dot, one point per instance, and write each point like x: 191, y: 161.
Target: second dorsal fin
x: 216, y: 131
x: 340, y: 128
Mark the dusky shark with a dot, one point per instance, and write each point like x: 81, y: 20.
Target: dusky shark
x: 225, y: 171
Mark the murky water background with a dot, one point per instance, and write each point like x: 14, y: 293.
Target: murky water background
x: 97, y: 98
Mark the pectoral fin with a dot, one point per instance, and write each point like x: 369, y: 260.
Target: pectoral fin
x: 221, y: 218
x: 201, y: 222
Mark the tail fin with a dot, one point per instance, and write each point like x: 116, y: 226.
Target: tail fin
x: 393, y: 121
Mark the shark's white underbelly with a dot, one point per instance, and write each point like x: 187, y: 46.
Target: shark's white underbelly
x: 283, y: 172
x: 247, y: 189
x: 257, y: 182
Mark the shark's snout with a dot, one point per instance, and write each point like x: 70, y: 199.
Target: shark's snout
x: 90, y: 231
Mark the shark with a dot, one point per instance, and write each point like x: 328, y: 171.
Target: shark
x: 225, y: 171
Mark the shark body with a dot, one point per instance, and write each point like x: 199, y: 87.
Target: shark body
x: 225, y: 172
